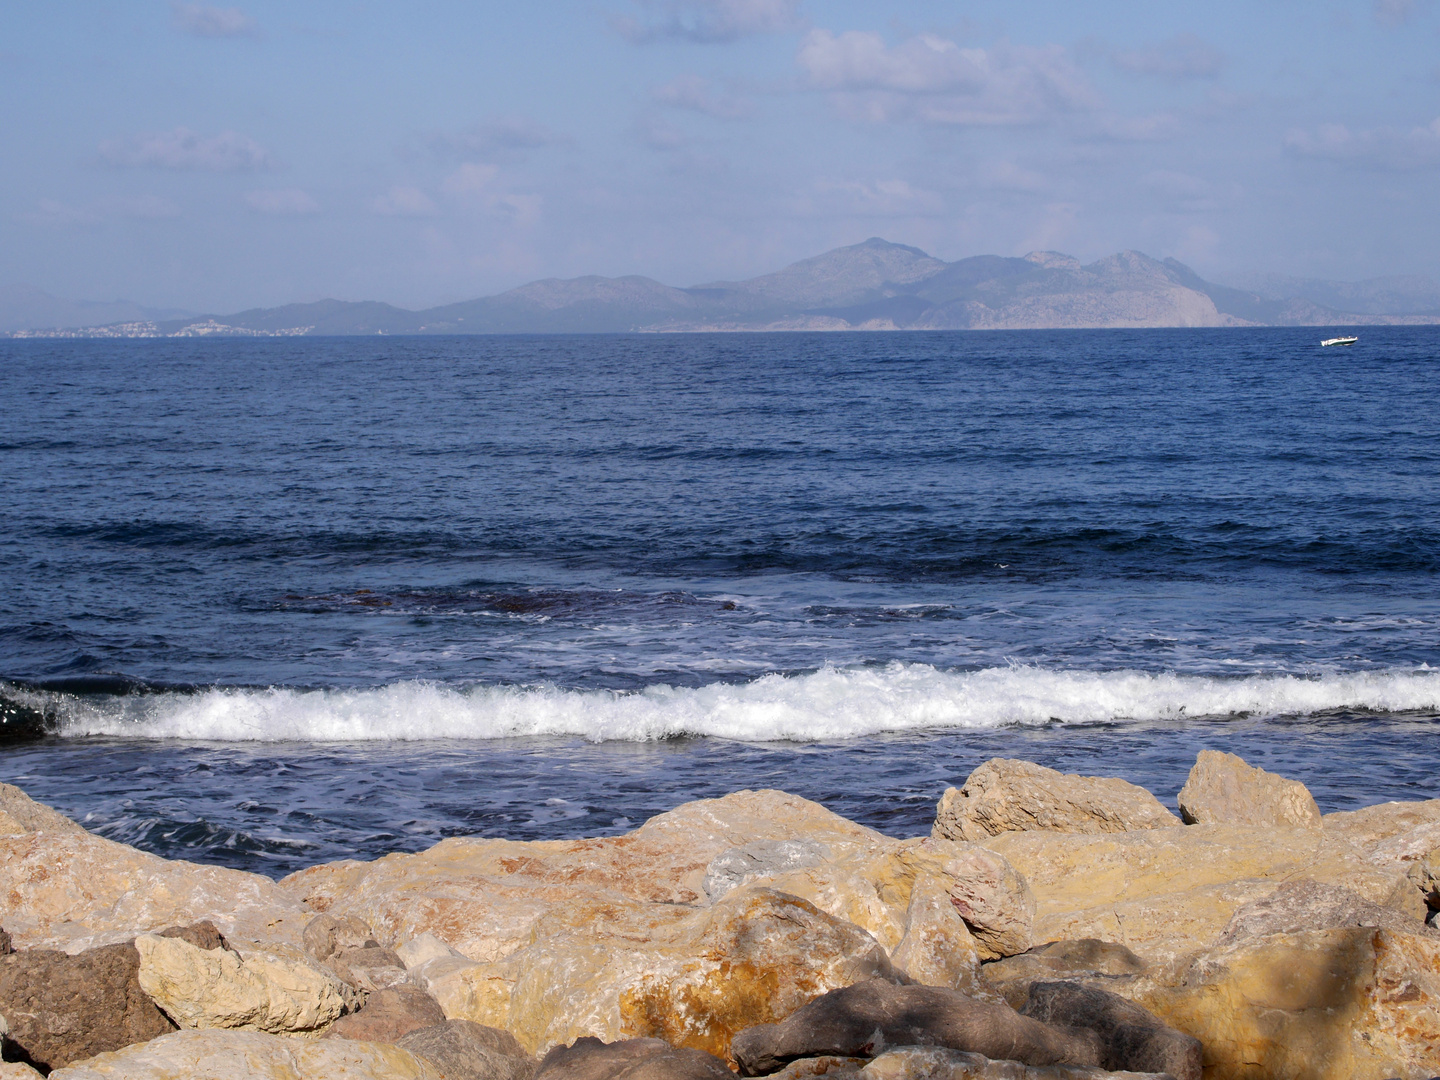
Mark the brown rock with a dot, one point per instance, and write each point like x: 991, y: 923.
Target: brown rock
x: 367, y: 969
x: 1223, y: 789
x: 21, y: 814
x: 1132, y: 1038
x: 388, y: 1016
x: 1298, y: 906
x: 464, y: 1050
x: 1346, y: 1004
x: 820, y: 1066
x: 1087, y: 958
x: 327, y: 934
x: 864, y: 1019
x: 73, y: 890
x: 203, y: 935
x: 1004, y: 795
x: 65, y: 1008
x: 634, y: 1059
x: 940, y: 1063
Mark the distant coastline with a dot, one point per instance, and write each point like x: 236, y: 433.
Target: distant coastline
x: 872, y: 286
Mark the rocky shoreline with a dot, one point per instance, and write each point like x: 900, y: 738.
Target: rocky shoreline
x: 1051, y: 927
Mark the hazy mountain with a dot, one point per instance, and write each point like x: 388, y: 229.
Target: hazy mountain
x: 875, y: 285
x: 23, y: 307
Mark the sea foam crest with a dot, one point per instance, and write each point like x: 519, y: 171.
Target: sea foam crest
x: 828, y: 704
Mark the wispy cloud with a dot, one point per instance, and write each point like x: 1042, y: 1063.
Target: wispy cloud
x: 203, y: 20
x: 281, y: 202
x: 707, y: 20
x: 1394, y: 12
x: 933, y: 80
x: 53, y: 212
x: 696, y: 94
x: 1375, y: 148
x: 402, y: 201
x: 1184, y: 56
x: 184, y: 149
x: 505, y: 133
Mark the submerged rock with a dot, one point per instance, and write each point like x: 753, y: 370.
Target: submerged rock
x: 1223, y: 789
x: 63, y: 1008
x: 1005, y: 796
x: 632, y: 1059
x: 251, y: 1055
x: 865, y: 1019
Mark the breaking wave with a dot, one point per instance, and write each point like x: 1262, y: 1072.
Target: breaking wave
x: 831, y: 703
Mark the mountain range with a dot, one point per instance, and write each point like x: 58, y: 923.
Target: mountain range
x: 874, y: 285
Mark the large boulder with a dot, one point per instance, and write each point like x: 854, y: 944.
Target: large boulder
x: 64, y: 1008
x: 72, y: 890
x: 251, y: 1055
x: 865, y: 1019
x: 1297, y: 906
x: 464, y: 1050
x: 761, y: 860
x: 1131, y: 1037
x: 690, y: 977
x: 259, y: 991
x: 1004, y: 795
x: 1223, y: 789
x: 994, y: 900
x: 589, y: 1058
x: 1342, y: 1004
x: 388, y: 1016
x: 1168, y: 894
x: 938, y: 948
x: 21, y: 814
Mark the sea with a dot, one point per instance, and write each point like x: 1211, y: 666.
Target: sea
x: 285, y: 601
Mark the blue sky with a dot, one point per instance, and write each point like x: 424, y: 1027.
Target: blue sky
x: 216, y: 157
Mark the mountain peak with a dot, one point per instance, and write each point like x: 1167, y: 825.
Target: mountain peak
x: 1053, y: 260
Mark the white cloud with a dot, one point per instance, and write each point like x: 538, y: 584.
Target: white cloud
x: 708, y: 20
x: 403, y: 201
x: 933, y: 80
x: 875, y: 198
x: 470, y: 179
x: 1184, y: 56
x: 184, y: 149
x: 1376, y: 148
x: 1152, y: 128
x: 694, y: 93
x: 659, y: 134
x: 281, y: 202
x: 202, y: 20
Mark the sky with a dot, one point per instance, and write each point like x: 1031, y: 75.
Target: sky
x: 217, y: 157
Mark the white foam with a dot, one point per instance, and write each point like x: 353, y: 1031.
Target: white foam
x: 828, y: 704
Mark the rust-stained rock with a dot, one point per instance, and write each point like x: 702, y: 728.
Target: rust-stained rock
x: 1004, y: 795
x: 1224, y: 789
x: 72, y: 890
x: 589, y: 1058
x: 866, y: 1019
x: 63, y: 1008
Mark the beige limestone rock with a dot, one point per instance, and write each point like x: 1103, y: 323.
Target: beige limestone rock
x: 250, y: 1055
x: 690, y: 977
x: 1372, y: 825
x: 1344, y: 1004
x: 828, y: 1065
x: 1167, y: 894
x: 21, y: 814
x: 1223, y: 789
x: 1004, y: 795
x: 484, y: 897
x: 260, y: 991
x: 994, y: 900
x: 72, y: 890
x: 17, y: 1070
x: 937, y: 949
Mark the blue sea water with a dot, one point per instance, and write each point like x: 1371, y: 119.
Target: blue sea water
x: 289, y: 600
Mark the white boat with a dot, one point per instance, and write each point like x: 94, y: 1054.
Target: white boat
x: 1339, y: 341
